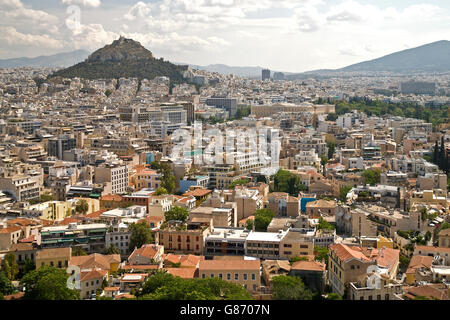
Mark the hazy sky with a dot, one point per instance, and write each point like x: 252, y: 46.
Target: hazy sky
x: 285, y: 35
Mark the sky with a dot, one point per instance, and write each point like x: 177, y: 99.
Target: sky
x: 283, y: 35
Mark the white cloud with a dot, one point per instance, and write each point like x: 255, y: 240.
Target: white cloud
x: 85, y: 3
x: 14, y: 38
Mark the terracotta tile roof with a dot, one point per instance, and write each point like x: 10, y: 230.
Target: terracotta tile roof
x: 428, y: 291
x: 418, y: 262
x: 95, y: 260
x: 385, y: 257
x: 10, y: 229
x: 111, y: 197
x: 15, y: 296
x: 30, y: 239
x: 23, y: 222
x: 68, y: 221
x: 252, y: 265
x: 198, y: 193
x: 308, y: 265
x: 147, y: 250
x: 321, y: 204
x: 184, y: 273
x: 124, y: 296
x: 96, y: 214
x: 346, y: 253
x: 111, y: 289
x: 141, y: 267
x: 184, y: 260
x: 94, y: 274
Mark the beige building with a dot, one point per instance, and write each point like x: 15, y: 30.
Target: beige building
x: 243, y: 272
x: 349, y: 264
x: 221, y: 217
x: 9, y: 236
x: 444, y: 238
x: 320, y: 208
x: 283, y: 205
x: 57, y: 257
x: 187, y: 238
x: 388, y: 290
x: 51, y: 210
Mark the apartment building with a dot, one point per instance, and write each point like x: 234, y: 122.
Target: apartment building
x: 115, y: 174
x: 9, y: 236
x: 90, y: 237
x: 119, y: 236
x: 22, y: 187
x: 350, y: 264
x: 226, y: 242
x: 283, y: 205
x: 183, y: 238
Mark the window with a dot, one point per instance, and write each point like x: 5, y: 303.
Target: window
x: 379, y: 297
x: 212, y: 275
x: 361, y: 298
x: 253, y: 276
x: 220, y: 275
x: 203, y: 276
x: 245, y: 277
x: 352, y: 267
x: 386, y: 296
x: 236, y: 276
x: 370, y: 297
x: 228, y: 276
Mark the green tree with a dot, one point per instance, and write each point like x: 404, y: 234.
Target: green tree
x: 324, y: 225
x: 10, y: 266
x: 6, y: 287
x: 141, y: 234
x: 263, y: 217
x: 321, y: 254
x: 82, y: 207
x: 249, y: 224
x: 372, y: 176
x: 343, y: 192
x: 296, y: 259
x: 331, y: 149
x: 163, y: 286
x: 177, y: 214
x: 239, y: 182
x: 285, y: 181
x: 48, y: 283
x: 112, y: 249
x: 334, y: 296
x: 29, y: 266
x: 167, y: 177
x: 78, y: 251
x: 290, y: 288
x: 160, y: 191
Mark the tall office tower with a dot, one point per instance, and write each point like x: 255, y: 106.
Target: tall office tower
x: 278, y: 76
x: 265, y: 74
x: 229, y: 104
x: 57, y: 146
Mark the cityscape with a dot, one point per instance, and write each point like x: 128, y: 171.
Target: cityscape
x: 128, y: 175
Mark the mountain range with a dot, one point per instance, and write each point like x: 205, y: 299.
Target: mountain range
x: 429, y: 58
x: 59, y: 60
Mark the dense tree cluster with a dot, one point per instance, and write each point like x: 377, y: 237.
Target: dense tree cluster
x: 141, y: 234
x: 263, y: 217
x: 164, y: 286
x: 285, y: 181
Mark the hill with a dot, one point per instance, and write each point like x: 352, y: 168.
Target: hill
x: 433, y: 57
x: 60, y: 60
x: 123, y: 58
